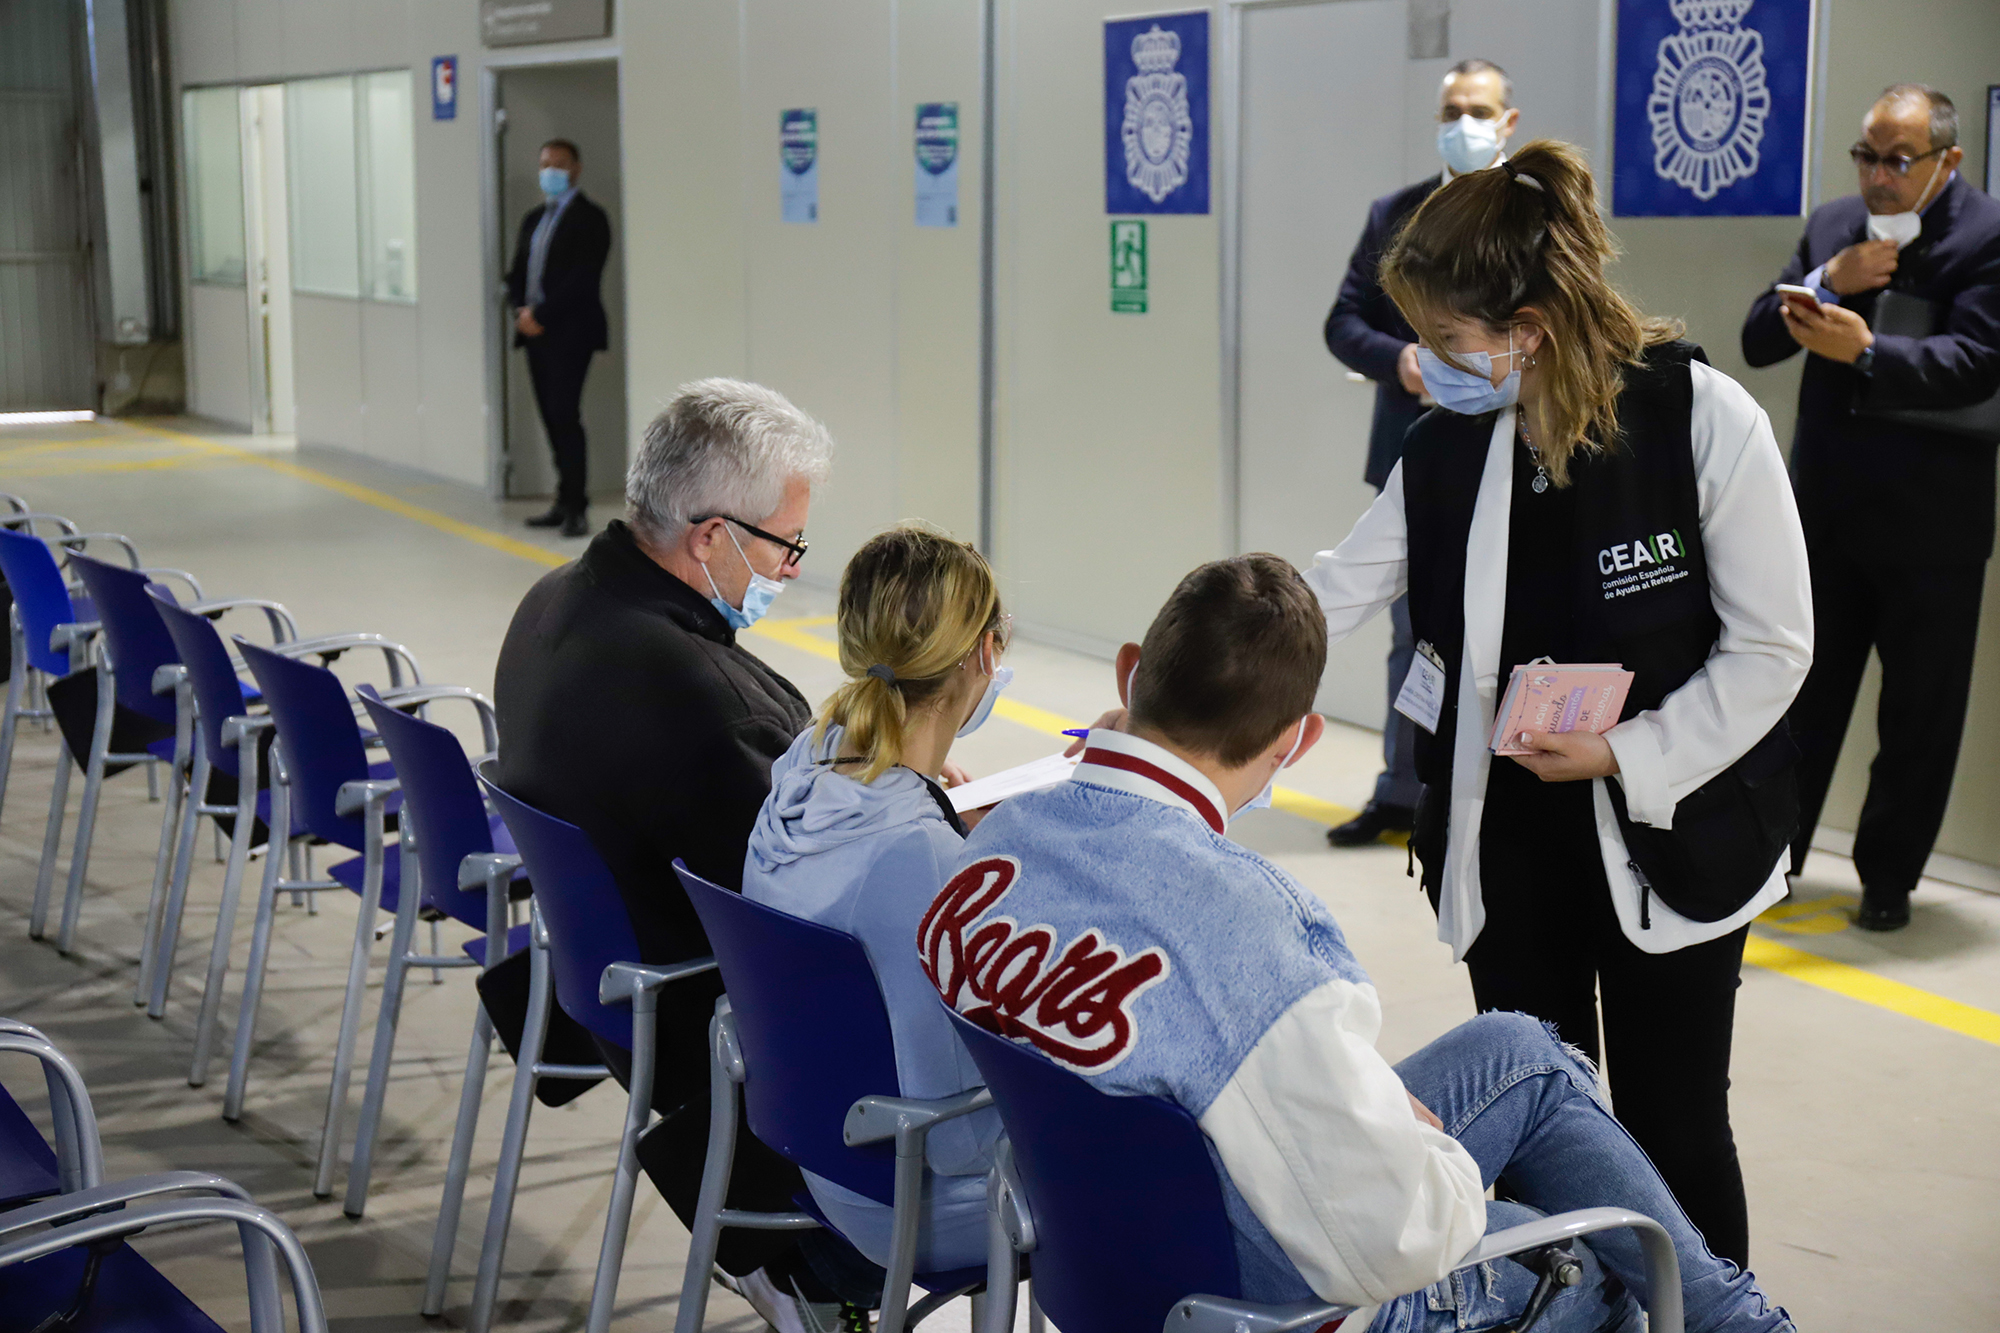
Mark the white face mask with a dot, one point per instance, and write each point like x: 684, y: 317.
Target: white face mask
x: 1902, y: 228
x: 1262, y: 800
x: 1469, y: 144
x: 1002, y: 677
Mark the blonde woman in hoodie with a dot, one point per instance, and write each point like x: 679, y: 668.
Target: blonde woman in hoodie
x: 857, y: 834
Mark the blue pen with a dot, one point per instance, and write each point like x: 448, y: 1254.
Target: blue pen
x: 1081, y: 733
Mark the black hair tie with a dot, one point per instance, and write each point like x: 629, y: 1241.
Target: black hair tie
x: 1514, y: 173
x: 882, y: 673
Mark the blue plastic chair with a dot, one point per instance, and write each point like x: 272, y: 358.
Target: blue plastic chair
x: 805, y: 1038
x: 445, y: 825
x: 583, y: 954
x: 45, y: 1271
x: 322, y: 777
x: 27, y: 693
x: 1124, y: 1210
x: 226, y: 740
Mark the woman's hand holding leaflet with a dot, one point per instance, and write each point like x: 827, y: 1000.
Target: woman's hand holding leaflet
x: 1567, y: 756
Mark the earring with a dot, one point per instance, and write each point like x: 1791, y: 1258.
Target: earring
x: 1528, y: 363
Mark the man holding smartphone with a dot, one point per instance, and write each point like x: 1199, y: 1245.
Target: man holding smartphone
x: 1898, y: 513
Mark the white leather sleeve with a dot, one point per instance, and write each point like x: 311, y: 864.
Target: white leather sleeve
x: 1317, y: 1133
x: 1370, y: 567
x: 1761, y: 590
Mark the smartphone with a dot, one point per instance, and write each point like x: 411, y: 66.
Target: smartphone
x: 1804, y: 295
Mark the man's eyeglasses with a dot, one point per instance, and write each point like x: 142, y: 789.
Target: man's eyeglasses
x: 795, y: 549
x: 1868, y: 159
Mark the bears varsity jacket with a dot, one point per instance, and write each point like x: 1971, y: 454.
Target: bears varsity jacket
x: 1111, y: 923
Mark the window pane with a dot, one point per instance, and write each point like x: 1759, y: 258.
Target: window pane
x: 326, y: 241
x: 389, y: 185
x: 215, y: 184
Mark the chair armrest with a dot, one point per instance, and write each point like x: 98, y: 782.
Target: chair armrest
x: 235, y: 728
x: 283, y: 628
x: 330, y: 646
x: 79, y: 1150
x: 19, y: 505
x: 1663, y: 1270
x: 1005, y: 1196
x: 477, y: 870
x: 168, y: 678
x: 100, y: 1198
x: 624, y: 983
x: 33, y: 516
x: 908, y: 1120
x: 355, y: 797
x: 63, y: 637
x: 410, y: 695
x: 75, y: 540
x: 157, y: 572
x: 1214, y: 1314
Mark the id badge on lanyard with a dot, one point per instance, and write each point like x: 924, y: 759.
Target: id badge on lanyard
x: 1422, y: 697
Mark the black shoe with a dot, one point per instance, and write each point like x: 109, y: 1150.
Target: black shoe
x: 1374, y: 820
x: 552, y: 517
x: 576, y: 524
x: 1885, y: 909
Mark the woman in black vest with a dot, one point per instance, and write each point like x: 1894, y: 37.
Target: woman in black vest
x: 1590, y: 490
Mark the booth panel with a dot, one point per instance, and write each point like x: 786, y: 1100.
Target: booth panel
x: 392, y: 380
x: 218, y: 328
x: 328, y: 382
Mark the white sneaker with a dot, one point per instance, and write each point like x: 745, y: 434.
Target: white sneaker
x: 787, y: 1311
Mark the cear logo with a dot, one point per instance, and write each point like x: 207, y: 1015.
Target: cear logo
x: 1655, y: 550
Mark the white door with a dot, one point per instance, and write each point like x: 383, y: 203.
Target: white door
x: 1322, y: 95
x: 267, y: 236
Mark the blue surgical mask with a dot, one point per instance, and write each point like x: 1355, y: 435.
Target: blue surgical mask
x: 1469, y: 144
x: 1262, y: 800
x: 554, y: 182
x: 1470, y: 392
x: 757, y: 597
x: 1003, y: 676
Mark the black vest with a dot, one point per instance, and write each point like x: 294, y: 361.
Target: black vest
x: 1638, y: 584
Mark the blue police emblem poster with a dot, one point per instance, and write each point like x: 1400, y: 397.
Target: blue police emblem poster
x: 1712, y: 108
x: 1156, y: 114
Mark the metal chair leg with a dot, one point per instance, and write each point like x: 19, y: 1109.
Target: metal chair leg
x: 86, y: 815
x: 513, y: 1142
x: 170, y: 819
x: 17, y: 680
x: 260, y: 955
x: 177, y: 885
x: 350, y: 1009
x: 445, y: 1238
x: 625, y: 1180
x: 225, y: 912
x: 722, y: 1092
x: 38, y: 917
x: 387, y: 1015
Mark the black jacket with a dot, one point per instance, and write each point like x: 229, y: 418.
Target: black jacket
x: 1366, y: 331
x: 1904, y: 494
x: 627, y: 708
x: 571, y: 309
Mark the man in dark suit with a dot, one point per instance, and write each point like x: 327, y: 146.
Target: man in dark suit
x: 558, y: 317
x: 1898, y: 516
x: 1367, y: 333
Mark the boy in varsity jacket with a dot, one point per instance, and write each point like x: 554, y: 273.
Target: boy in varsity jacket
x: 1111, y: 924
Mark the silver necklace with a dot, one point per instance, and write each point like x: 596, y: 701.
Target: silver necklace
x: 1541, y: 481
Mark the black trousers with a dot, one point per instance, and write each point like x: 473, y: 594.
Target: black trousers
x: 557, y: 371
x: 1552, y: 947
x: 1923, y: 622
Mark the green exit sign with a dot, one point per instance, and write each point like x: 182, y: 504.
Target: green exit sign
x: 1128, y: 267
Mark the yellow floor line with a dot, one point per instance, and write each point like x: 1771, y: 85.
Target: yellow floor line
x: 1858, y: 984
x: 1839, y: 978
x: 95, y: 466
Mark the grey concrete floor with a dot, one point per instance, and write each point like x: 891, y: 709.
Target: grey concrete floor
x: 1863, y: 1090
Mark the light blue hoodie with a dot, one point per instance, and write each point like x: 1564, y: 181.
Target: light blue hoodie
x: 868, y: 859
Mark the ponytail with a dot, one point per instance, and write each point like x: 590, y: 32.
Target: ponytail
x: 1528, y: 233
x: 913, y: 605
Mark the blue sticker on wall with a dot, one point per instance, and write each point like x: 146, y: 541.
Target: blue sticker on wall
x: 1712, y: 108
x: 1156, y: 114
x: 444, y: 87
x: 798, y: 164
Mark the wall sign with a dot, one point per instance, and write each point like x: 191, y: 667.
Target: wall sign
x: 444, y: 87
x: 1128, y: 266
x: 798, y: 164
x: 1712, y: 107
x: 937, y: 164
x: 1156, y: 114
x: 525, y: 22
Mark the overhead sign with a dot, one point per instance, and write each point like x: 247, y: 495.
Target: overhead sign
x: 1712, y: 107
x: 798, y: 164
x: 526, y: 22
x: 937, y: 164
x: 1156, y: 114
x: 444, y: 87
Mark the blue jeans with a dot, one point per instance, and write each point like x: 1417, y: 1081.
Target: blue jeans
x: 1528, y: 1111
